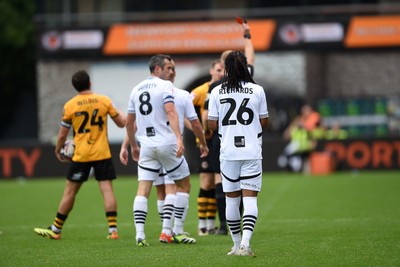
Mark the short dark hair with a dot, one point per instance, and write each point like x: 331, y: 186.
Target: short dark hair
x: 158, y: 60
x: 81, y: 80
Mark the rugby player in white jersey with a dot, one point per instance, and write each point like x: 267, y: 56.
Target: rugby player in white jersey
x: 238, y: 109
x: 154, y: 123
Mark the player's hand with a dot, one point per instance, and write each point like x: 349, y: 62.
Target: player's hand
x: 61, y: 157
x: 123, y: 156
x: 180, y: 148
x: 246, y: 28
x: 203, y: 151
x: 135, y: 151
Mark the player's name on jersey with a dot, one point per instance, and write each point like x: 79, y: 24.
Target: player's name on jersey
x: 147, y: 86
x: 87, y: 101
x: 244, y: 90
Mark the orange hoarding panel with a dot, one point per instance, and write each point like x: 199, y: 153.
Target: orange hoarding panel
x: 373, y: 32
x: 185, y: 37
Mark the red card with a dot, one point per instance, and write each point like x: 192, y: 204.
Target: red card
x: 239, y: 20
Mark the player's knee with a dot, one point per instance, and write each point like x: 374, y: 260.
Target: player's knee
x: 183, y: 185
x: 233, y: 194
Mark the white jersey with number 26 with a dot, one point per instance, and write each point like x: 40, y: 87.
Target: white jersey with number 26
x: 147, y: 101
x: 238, y: 112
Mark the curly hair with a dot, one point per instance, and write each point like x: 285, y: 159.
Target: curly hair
x: 236, y: 71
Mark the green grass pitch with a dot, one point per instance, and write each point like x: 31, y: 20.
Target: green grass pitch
x: 343, y: 219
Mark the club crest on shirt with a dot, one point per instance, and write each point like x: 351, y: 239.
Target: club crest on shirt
x: 204, y: 164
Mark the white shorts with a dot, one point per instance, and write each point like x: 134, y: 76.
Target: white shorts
x: 152, y: 159
x: 241, y: 174
x: 163, y: 178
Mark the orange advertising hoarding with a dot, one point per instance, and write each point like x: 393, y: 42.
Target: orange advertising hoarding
x: 185, y: 37
x: 373, y: 32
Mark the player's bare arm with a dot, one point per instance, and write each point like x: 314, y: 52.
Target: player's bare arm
x: 187, y: 124
x: 264, y: 122
x: 248, y: 45
x: 173, y: 119
x: 130, y: 130
x: 207, y: 131
x: 123, y: 153
x: 199, y: 133
x: 213, y: 125
x: 120, y: 119
x: 61, y: 138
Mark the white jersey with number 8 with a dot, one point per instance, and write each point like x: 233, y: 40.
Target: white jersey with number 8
x: 147, y: 101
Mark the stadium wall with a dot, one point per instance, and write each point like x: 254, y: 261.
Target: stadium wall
x: 54, y: 89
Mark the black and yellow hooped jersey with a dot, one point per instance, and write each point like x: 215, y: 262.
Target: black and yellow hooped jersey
x: 87, y: 114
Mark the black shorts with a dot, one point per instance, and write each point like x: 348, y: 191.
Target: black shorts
x: 103, y: 170
x: 205, y: 163
x: 214, y: 147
